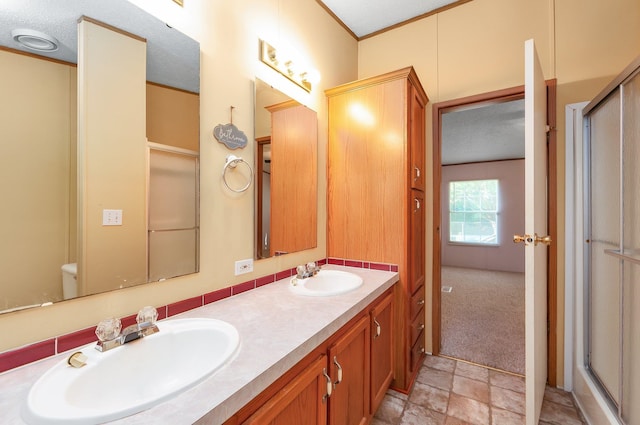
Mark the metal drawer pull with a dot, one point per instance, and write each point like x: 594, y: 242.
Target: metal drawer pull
x: 417, y: 201
x: 417, y: 173
x: 335, y: 362
x: 378, y: 328
x: 329, y: 385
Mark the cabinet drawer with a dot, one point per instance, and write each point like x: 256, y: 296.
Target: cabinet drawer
x: 417, y: 303
x: 417, y: 326
x: 417, y: 351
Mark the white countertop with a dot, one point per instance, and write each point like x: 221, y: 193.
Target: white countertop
x: 277, y: 329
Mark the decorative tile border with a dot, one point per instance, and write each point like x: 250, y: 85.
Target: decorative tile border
x: 52, y: 346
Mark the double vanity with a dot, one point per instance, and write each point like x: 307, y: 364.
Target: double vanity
x: 264, y: 338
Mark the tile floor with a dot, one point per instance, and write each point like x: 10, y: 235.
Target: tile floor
x: 450, y: 392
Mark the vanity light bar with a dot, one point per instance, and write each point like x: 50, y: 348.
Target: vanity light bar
x: 284, y: 66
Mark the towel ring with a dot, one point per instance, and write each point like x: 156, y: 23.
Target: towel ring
x: 231, y: 163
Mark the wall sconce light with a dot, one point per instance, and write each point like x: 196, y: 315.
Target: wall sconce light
x: 286, y: 66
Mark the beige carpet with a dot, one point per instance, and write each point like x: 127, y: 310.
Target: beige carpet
x: 483, y: 318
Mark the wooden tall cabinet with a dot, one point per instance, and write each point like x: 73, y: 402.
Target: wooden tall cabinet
x: 375, y: 194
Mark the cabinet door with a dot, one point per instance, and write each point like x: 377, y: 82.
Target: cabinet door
x: 417, y: 241
x: 301, y: 402
x: 381, y: 350
x: 294, y: 147
x: 416, y: 139
x: 349, y: 366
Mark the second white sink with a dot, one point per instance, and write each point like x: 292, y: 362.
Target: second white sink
x: 133, y: 377
x: 326, y: 283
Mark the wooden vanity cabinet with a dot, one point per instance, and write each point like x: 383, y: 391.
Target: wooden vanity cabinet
x: 301, y: 402
x: 353, y: 363
x: 375, y: 192
x: 349, y: 364
x: 381, y: 350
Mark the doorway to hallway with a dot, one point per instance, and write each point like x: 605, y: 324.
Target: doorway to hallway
x: 481, y: 195
x: 483, y: 99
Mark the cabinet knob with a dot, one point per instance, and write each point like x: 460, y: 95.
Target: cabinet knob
x: 421, y: 327
x: 421, y: 302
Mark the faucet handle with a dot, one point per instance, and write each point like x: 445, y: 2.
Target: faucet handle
x: 301, y: 271
x: 108, y: 329
x: 147, y: 314
x: 312, y: 268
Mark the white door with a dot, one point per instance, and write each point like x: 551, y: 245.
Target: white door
x: 535, y: 95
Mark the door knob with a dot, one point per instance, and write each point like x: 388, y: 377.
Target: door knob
x: 535, y: 239
x: 527, y: 239
x: 542, y: 239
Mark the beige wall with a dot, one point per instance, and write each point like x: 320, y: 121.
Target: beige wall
x: 36, y: 134
x: 112, y: 147
x: 228, y: 33
x: 479, y: 47
x: 173, y: 117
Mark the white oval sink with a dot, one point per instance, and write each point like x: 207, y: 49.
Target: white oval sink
x: 133, y: 377
x: 326, y: 283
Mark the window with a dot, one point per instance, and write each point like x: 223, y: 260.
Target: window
x: 473, y: 212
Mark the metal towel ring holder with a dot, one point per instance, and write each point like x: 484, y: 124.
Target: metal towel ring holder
x: 232, y: 162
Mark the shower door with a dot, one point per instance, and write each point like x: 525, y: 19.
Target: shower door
x: 173, y: 213
x: 613, y: 246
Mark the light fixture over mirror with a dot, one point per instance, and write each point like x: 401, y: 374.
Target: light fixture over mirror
x: 286, y: 173
x: 46, y: 230
x: 287, y: 64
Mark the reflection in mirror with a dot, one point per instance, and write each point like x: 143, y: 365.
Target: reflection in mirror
x: 64, y: 210
x: 286, y: 173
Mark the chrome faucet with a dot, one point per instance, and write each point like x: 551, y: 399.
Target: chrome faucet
x: 308, y: 270
x: 109, y: 335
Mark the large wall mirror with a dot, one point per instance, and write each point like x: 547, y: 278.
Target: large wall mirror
x: 88, y: 207
x: 286, y: 135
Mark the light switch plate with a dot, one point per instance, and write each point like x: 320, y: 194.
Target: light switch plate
x: 112, y: 217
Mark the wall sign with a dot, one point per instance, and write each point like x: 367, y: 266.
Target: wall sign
x: 230, y: 135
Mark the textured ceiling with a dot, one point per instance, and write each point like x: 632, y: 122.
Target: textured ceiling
x: 173, y: 59
x: 486, y: 133
x: 365, y: 17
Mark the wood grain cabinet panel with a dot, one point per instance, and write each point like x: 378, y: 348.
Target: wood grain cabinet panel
x: 381, y: 350
x: 349, y: 364
x: 301, y: 402
x: 417, y: 238
x: 294, y: 185
x: 417, y: 137
x: 375, y: 180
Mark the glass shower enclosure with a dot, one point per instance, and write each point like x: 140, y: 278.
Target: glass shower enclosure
x: 173, y: 228
x: 612, y: 245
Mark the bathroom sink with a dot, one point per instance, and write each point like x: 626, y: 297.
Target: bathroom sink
x: 133, y: 377
x: 326, y: 283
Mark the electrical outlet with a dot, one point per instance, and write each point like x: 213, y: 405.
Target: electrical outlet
x: 244, y: 266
